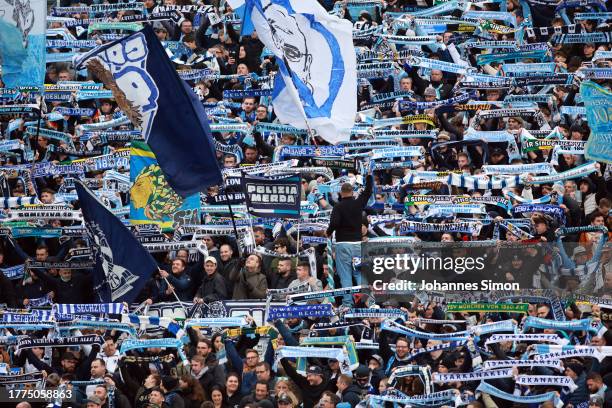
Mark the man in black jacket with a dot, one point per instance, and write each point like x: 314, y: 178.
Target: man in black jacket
x: 214, y: 286
x: 312, y: 386
x: 69, y: 287
x: 7, y: 292
x: 349, y: 392
x: 345, y: 221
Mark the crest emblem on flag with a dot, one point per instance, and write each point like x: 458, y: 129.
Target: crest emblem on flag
x: 122, y: 69
x: 118, y: 279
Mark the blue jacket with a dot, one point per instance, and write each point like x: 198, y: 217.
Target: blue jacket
x: 182, y: 286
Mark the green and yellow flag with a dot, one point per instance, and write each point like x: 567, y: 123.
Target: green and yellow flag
x: 152, y: 200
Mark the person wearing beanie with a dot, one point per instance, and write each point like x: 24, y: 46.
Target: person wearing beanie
x: 576, y: 372
x: 376, y: 366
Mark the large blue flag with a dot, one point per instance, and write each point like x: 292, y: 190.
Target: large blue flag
x: 123, y: 266
x: 147, y: 88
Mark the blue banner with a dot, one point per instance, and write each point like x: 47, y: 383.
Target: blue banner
x: 156, y: 100
x: 277, y: 197
x: 123, y: 266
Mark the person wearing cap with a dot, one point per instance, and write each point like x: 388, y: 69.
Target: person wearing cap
x: 515, y: 124
x: 161, y: 33
x: 312, y: 386
x: 441, y: 89
x: 68, y: 362
x: 430, y: 94
x: 375, y: 362
x: 93, y: 402
x: 214, y: 286
x: 498, y: 156
x: 592, y: 189
x: 580, y: 255
x: 286, y: 400
x: 364, y: 379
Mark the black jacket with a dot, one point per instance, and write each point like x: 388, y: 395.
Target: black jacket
x: 7, y: 292
x: 346, y: 215
x: 352, y: 395
x: 311, y: 394
x: 229, y: 271
x: 213, y: 288
x: 79, y: 289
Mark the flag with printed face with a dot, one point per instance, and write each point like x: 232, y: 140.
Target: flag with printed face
x: 123, y: 265
x: 149, y: 91
x: 22, y: 42
x: 317, y: 85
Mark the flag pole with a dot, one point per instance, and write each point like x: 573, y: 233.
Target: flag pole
x: 40, y: 109
x: 299, y: 102
x: 229, y: 206
x: 297, y: 244
x: 176, y: 296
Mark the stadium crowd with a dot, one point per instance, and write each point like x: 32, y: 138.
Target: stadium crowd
x: 450, y: 128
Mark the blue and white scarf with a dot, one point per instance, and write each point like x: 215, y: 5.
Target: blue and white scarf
x: 131, y: 344
x: 321, y: 352
x: 548, y: 352
x: 237, y: 321
x: 572, y: 325
x: 523, y: 337
x: 556, y: 380
x: 13, y: 272
x: 494, y: 364
x: 523, y: 399
x: 535, y: 168
x: 472, y: 376
x: 97, y: 308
